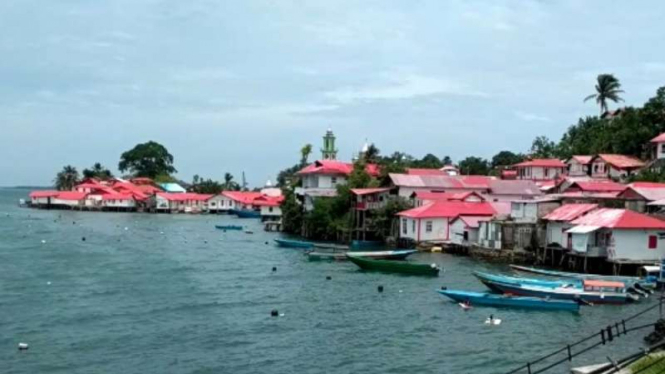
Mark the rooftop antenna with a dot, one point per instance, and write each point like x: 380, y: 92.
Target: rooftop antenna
x: 244, y: 182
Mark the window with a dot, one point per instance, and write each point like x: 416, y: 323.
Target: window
x: 413, y: 226
x: 662, y: 148
x: 546, y: 171
x: 404, y: 227
x: 653, y: 241
x: 428, y: 226
x: 333, y: 180
x: 270, y: 209
x: 466, y: 236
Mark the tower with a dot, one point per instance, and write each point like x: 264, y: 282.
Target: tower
x: 328, y: 152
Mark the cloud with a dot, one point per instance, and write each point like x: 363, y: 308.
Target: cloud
x: 531, y: 117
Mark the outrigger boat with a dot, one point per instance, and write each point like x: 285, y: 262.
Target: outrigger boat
x: 390, y: 266
x: 341, y: 256
x: 488, y: 299
x: 294, y: 244
x: 646, y: 283
x: 489, y: 279
x: 593, y: 291
x: 228, y: 227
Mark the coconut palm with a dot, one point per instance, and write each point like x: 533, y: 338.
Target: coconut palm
x: 229, y: 183
x: 371, y: 154
x: 305, y: 151
x: 607, y: 88
x: 67, y: 178
x: 97, y: 171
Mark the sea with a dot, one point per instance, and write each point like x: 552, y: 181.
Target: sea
x: 93, y: 292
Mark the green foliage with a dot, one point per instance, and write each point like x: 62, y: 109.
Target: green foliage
x: 446, y: 160
x: 205, y: 186
x: 543, y: 147
x: 371, y: 155
x: 97, y: 171
x: 506, y: 158
x: 607, y: 88
x: 385, y: 219
x: 147, y: 160
x: 229, y: 184
x: 649, y: 175
x: 292, y: 213
x: 474, y: 166
x: 164, y: 178
x: 66, y: 179
x: 305, y: 152
x: 429, y: 161
x: 287, y: 177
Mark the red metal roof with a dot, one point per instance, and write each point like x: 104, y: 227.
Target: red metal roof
x: 449, y: 209
x: 336, y: 167
x: 649, y: 191
x: 543, y: 162
x: 569, y: 212
x: 71, y: 195
x: 597, y: 186
x: 418, y: 171
x: 268, y: 200
x: 445, y: 196
x: 659, y: 139
x: 619, y: 219
x: 46, y: 193
x: 476, y: 182
x: 244, y: 197
x: 184, y: 196
x: 584, y: 160
x: 472, y: 222
x: 621, y: 161
x: 590, y: 195
x: 368, y: 191
x: 138, y: 193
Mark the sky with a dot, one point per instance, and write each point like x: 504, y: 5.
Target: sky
x: 233, y: 86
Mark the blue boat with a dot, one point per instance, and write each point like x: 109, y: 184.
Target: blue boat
x: 593, y: 291
x: 489, y: 279
x: 228, y: 227
x: 365, y: 245
x: 294, y: 244
x: 488, y: 299
x: 246, y: 213
x: 648, y: 282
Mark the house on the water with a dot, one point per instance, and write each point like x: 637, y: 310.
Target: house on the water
x: 560, y: 220
x: 185, y: 202
x: 644, y: 196
x: 366, y: 201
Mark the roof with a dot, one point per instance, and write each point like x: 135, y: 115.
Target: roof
x: 449, y: 209
x: 590, y: 195
x: 71, y: 195
x: 547, y: 184
x: 368, y: 191
x: 620, y: 161
x: 598, y: 186
x: 542, y: 162
x: 335, y: 167
x: 244, y: 197
x: 514, y: 187
x: 649, y: 191
x: 445, y: 196
x: 472, y: 222
x: 569, y: 212
x: 95, y: 186
x: 619, y: 219
x: 508, y: 174
x: 441, y: 181
x: 134, y: 190
x: 502, y: 208
x: 172, y: 187
x: 185, y: 196
x: 43, y: 193
x: 141, y: 180
x: 584, y: 160
x: 418, y: 171
x: 659, y: 139
x: 268, y: 200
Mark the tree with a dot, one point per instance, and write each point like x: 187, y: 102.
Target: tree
x: 305, y: 152
x: 66, y: 179
x: 229, y: 184
x: 147, y: 160
x: 607, y: 88
x: 543, y: 147
x: 205, y: 186
x: 474, y: 166
x: 371, y: 155
x: 429, y: 161
x: 97, y: 171
x: 506, y: 158
x: 292, y: 213
x: 446, y: 160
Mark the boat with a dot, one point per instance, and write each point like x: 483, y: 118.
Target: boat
x: 489, y: 299
x: 592, y: 291
x: 399, y: 254
x: 391, y: 266
x: 287, y: 243
x: 647, y: 283
x: 228, y: 227
x: 365, y: 244
x: 489, y: 279
x: 246, y: 213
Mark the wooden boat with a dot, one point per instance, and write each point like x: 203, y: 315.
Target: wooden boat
x: 488, y: 279
x: 400, y: 254
x: 647, y: 283
x: 391, y: 266
x: 246, y: 213
x: 228, y: 227
x: 365, y: 244
x: 287, y: 243
x: 489, y: 299
x: 593, y: 291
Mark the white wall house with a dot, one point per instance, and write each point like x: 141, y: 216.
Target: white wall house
x: 530, y: 211
x: 578, y: 166
x: 181, y: 202
x: 614, y: 166
x: 541, y: 169
x: 465, y: 230
x: 425, y: 229
x: 220, y: 203
x: 119, y: 202
x: 490, y: 234
x: 559, y: 221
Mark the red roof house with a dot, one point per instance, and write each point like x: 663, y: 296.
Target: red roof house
x: 541, y: 169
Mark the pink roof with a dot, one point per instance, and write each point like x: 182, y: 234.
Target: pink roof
x: 619, y: 219
x: 335, y: 167
x: 543, y: 162
x: 481, y: 182
x: 598, y: 186
x: 621, y: 161
x: 125, y: 187
x: 514, y: 187
x: 184, y: 196
x: 243, y: 197
x: 501, y: 208
x: 659, y: 139
x: 117, y: 196
x: 71, y: 195
x: 445, y: 196
x: 418, y: 171
x: 569, y: 212
x: 591, y: 195
x: 95, y: 186
x: 268, y: 200
x: 650, y: 191
x: 449, y: 209
x: 471, y: 222
x: 47, y: 193
x: 584, y: 160
x: 368, y: 191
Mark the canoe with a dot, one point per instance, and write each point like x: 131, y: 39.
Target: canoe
x: 391, y: 266
x: 245, y: 213
x: 365, y: 244
x: 489, y: 299
x: 341, y: 255
x: 488, y: 279
x: 228, y: 227
x: 294, y: 243
x: 588, y: 294
x: 645, y: 283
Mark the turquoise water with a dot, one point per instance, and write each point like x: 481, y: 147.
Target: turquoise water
x: 170, y: 294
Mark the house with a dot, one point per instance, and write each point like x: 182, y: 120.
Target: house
x: 619, y: 235
x: 541, y: 169
x: 594, y: 186
x: 42, y: 198
x: 465, y: 230
x: 118, y: 202
x: 328, y: 174
x: 509, y: 190
x: 432, y: 222
x: 242, y: 200
x: 579, y: 166
x: 614, y: 166
x: 172, y: 188
x: 508, y: 174
x: 407, y: 184
x: 639, y: 196
x: 270, y: 207
x: 450, y: 170
x: 559, y: 221
x: 530, y: 211
x: 370, y: 198
x: 69, y: 199
x: 420, y: 198
x: 180, y: 202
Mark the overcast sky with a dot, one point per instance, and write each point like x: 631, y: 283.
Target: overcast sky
x: 242, y: 85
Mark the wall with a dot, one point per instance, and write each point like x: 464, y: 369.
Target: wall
x: 120, y: 203
x: 439, y: 229
x: 598, y: 169
x: 56, y: 201
x: 271, y: 211
x: 576, y: 169
x: 556, y: 234
x: 539, y: 173
x: 489, y: 235
x: 220, y: 203
x: 660, y: 150
x: 633, y: 245
x: 457, y: 230
x: 323, y: 181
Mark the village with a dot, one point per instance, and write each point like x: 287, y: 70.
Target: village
x: 578, y: 213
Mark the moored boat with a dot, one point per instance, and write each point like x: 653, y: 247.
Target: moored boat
x: 246, y: 213
x: 648, y: 282
x: 341, y: 255
x: 488, y: 299
x: 228, y: 227
x: 392, y: 266
x: 489, y: 279
x: 287, y: 243
x: 593, y: 291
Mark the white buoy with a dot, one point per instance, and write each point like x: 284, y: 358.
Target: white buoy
x: 23, y: 346
x: 126, y: 228
x: 493, y: 321
x: 161, y: 232
x: 48, y: 283
x: 43, y: 241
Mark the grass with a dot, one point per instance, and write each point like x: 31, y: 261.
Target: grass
x: 653, y: 364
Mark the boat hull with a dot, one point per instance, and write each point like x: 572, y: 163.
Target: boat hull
x: 341, y: 256
x: 244, y: 213
x: 488, y: 278
x: 487, y: 299
x: 228, y: 227
x: 569, y: 294
x: 391, y: 266
x: 294, y: 244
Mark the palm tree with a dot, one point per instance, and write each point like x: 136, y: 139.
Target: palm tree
x: 607, y: 88
x: 67, y: 178
x: 305, y: 151
x: 229, y: 183
x: 371, y: 155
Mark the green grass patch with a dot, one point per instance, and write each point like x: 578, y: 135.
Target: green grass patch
x: 654, y: 364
